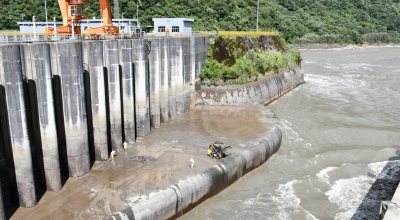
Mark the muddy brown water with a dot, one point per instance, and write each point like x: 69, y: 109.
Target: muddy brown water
x: 339, y: 155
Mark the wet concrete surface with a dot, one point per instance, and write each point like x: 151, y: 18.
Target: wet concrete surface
x: 154, y: 163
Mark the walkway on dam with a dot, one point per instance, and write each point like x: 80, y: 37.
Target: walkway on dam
x: 114, y: 185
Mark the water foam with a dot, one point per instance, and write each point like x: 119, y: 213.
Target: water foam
x: 323, y: 174
x: 347, y: 194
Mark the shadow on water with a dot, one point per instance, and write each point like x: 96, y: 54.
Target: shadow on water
x: 381, y: 190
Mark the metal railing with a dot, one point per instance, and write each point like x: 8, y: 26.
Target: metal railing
x: 29, y: 37
x: 32, y: 38
x: 236, y: 32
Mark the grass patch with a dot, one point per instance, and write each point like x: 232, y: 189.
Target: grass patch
x: 238, y: 67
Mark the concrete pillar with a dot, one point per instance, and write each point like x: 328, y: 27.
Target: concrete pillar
x: 66, y: 64
x: 93, y: 63
x: 37, y: 68
x: 205, y: 49
x: 154, y: 72
x: 111, y: 62
x: 198, y: 56
x: 142, y: 102
x: 179, y: 78
x: 128, y: 92
x: 186, y: 72
x: 2, y: 211
x: 193, y: 99
x: 164, y: 72
x: 11, y: 80
x: 172, y: 77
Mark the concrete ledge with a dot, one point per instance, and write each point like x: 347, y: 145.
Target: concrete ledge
x: 178, y: 199
x: 262, y: 91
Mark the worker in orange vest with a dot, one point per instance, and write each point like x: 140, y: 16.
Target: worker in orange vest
x: 167, y: 32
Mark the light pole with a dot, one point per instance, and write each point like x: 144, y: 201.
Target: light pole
x: 45, y: 9
x: 123, y: 21
x: 258, y: 2
x: 137, y: 11
x: 22, y: 17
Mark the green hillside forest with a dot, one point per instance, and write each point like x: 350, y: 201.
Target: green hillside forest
x: 298, y: 21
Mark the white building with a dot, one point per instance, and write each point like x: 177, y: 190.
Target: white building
x: 175, y: 26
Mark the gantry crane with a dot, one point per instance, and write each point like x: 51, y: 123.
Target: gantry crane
x: 71, y: 11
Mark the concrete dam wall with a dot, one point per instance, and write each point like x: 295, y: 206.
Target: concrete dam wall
x: 65, y: 104
x: 262, y: 91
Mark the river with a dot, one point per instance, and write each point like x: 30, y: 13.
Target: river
x: 339, y: 155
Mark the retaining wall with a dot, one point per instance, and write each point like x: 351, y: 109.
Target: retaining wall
x: 262, y: 91
x: 186, y: 194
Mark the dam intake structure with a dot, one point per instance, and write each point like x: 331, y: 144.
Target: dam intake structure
x: 65, y: 104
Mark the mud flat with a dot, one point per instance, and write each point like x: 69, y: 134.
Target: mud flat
x: 153, y: 180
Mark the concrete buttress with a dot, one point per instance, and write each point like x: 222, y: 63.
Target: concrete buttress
x: 66, y: 64
x: 172, y: 78
x: 164, y: 71
x: 128, y: 89
x: 154, y: 72
x: 37, y: 68
x: 93, y: 63
x: 193, y: 99
x: 179, y: 77
x: 12, y: 81
x: 142, y: 99
x: 111, y: 62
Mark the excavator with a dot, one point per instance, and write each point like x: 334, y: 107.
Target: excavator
x: 71, y: 11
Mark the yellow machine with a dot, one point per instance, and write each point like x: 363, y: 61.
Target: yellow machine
x: 216, y: 150
x: 71, y: 11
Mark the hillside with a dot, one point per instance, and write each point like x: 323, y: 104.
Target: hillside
x: 341, y: 20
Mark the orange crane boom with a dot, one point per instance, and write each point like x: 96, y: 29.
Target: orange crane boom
x: 71, y: 11
x: 107, y: 28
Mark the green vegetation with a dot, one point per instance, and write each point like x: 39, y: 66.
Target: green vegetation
x: 345, y: 21
x: 238, y: 60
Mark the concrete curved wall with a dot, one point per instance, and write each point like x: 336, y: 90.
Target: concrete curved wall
x: 180, y: 198
x: 262, y: 91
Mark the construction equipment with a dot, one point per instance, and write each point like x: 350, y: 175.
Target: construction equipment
x: 216, y: 150
x: 71, y: 11
x: 107, y: 29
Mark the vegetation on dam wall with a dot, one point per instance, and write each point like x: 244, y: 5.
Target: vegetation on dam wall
x: 243, y: 59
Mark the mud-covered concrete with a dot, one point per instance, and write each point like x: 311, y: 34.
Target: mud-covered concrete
x: 156, y: 169
x: 262, y: 91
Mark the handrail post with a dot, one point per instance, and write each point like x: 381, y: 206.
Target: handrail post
x: 73, y: 29
x: 35, y: 38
